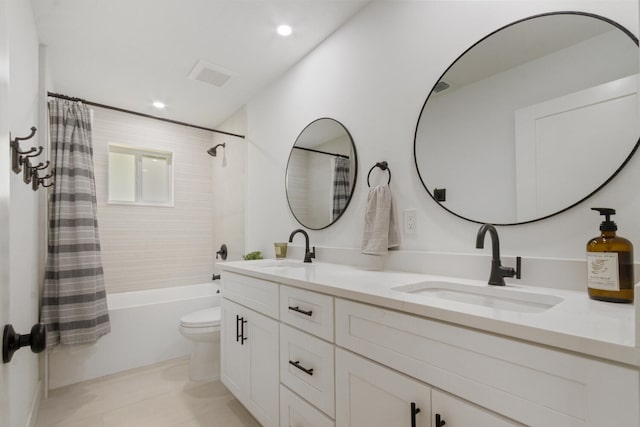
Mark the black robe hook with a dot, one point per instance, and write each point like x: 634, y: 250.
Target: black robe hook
x: 17, y: 154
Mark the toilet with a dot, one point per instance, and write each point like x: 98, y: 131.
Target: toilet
x: 202, y: 328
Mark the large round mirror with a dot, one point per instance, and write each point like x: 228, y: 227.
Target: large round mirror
x: 531, y: 120
x: 321, y: 173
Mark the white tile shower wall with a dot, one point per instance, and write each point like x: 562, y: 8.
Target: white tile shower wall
x: 147, y: 247
x: 229, y: 187
x: 377, y: 93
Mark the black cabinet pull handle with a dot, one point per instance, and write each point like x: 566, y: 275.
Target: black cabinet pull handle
x: 297, y: 365
x: 297, y: 309
x: 242, y: 337
x: 238, y: 334
x: 414, y: 411
x: 439, y: 421
x: 240, y: 322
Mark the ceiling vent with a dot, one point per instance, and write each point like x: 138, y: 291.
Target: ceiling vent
x: 209, y: 73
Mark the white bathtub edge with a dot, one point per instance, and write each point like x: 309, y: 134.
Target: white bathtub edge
x: 141, y: 335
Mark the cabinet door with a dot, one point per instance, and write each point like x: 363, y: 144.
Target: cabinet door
x: 371, y: 395
x: 234, y: 354
x: 457, y: 412
x: 261, y: 335
x: 249, y: 360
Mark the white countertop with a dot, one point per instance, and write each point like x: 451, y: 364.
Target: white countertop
x: 577, y: 323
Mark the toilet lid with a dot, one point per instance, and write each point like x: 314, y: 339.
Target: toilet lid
x: 202, y: 318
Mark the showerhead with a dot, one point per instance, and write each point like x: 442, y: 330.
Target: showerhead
x: 212, y: 151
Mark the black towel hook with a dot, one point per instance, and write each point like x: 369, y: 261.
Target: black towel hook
x: 382, y: 165
x: 21, y: 162
x: 39, y: 180
x: 40, y: 166
x: 19, y: 157
x: 34, y: 152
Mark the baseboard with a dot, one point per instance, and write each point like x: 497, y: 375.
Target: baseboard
x: 35, y: 406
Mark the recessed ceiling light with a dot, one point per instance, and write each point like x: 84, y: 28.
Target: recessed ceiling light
x: 284, y: 30
x: 159, y: 105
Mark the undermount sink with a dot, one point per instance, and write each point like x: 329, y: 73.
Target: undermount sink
x: 500, y: 298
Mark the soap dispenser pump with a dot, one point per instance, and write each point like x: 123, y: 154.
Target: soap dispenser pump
x: 610, y: 263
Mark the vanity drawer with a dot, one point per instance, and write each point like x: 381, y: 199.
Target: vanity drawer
x: 307, y: 367
x: 296, y: 412
x: 306, y: 310
x: 257, y: 294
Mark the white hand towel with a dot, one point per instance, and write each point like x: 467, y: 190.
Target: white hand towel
x: 380, y: 222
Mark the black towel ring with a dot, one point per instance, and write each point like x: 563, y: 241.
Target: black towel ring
x: 382, y: 165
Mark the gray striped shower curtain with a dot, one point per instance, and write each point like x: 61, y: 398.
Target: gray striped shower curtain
x: 74, y: 305
x: 341, y: 186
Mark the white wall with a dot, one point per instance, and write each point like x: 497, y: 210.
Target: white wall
x: 25, y: 227
x: 389, y: 57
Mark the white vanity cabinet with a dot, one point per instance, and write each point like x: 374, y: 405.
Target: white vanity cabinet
x: 249, y: 345
x: 372, y: 395
x: 508, y: 381
x: 300, y: 358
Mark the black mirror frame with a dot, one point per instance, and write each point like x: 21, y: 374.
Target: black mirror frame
x: 624, y: 163
x: 355, y: 174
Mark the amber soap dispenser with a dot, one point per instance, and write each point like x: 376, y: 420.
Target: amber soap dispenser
x: 610, y: 263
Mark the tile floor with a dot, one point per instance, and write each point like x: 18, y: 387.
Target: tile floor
x: 160, y: 395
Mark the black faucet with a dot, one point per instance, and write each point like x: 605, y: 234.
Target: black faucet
x: 307, y: 253
x: 498, y: 272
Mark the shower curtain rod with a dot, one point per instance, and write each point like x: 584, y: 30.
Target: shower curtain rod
x: 321, y: 152
x: 149, y: 116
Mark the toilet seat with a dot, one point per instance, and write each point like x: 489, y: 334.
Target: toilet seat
x: 201, y: 319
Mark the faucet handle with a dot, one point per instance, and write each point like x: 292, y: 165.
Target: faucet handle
x: 518, y: 267
x: 309, y: 254
x: 222, y: 252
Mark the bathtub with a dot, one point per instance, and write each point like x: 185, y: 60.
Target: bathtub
x: 144, y: 331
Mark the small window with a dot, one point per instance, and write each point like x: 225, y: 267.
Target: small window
x: 139, y: 176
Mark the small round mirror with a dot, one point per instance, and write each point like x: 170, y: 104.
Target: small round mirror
x: 321, y: 173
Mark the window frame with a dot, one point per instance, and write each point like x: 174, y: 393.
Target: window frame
x: 139, y: 153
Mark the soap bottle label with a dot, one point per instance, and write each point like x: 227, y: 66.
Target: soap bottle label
x: 602, y: 271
